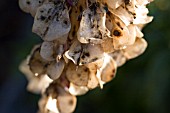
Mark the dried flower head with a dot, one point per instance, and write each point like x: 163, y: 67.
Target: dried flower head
x: 84, y: 42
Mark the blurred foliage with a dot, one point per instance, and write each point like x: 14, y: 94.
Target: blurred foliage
x: 141, y: 85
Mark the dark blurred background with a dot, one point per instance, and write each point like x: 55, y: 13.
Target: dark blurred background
x: 142, y: 85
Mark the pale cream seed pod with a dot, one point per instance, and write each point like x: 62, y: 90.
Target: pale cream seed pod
x: 77, y: 90
x: 61, y: 101
x: 30, y: 6
x: 107, y: 71
x: 51, y: 23
x: 136, y: 49
x: 91, y: 53
x: 92, y: 26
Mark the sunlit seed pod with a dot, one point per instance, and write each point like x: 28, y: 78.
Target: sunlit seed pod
x: 74, y: 52
x: 133, y: 13
x: 92, y: 26
x: 78, y: 75
x: 36, y: 63
x: 91, y: 53
x: 25, y: 69
x: 30, y: 6
x: 108, y: 70
x: 122, y: 35
x: 136, y: 49
x: 52, y: 23
x: 55, y: 69
x: 124, y: 15
x: 77, y: 90
x: 39, y: 84
x: 141, y: 16
x: 92, y: 81
x: 118, y: 57
x: 51, y: 105
x: 65, y: 102
x: 47, y: 51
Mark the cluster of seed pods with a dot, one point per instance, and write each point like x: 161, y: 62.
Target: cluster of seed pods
x: 84, y: 42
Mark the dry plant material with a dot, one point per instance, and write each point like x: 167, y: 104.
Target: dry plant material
x: 84, y: 42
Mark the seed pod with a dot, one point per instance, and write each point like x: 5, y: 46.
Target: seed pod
x: 108, y: 70
x: 77, y: 75
x: 36, y: 63
x: 91, y: 53
x: 118, y: 57
x: 136, y: 49
x: 52, y: 21
x: 30, y: 6
x: 92, y: 26
x: 77, y: 90
x: 64, y: 101
x: 47, y: 51
x: 74, y: 52
x: 93, y: 81
x: 25, y: 69
x: 39, y: 84
x: 55, y: 69
x: 51, y: 105
x: 122, y: 35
